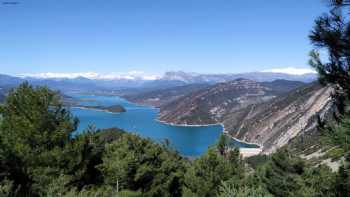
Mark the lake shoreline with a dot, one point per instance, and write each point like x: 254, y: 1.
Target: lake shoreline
x: 199, y: 125
x: 188, y: 125
x: 244, y: 151
x: 224, y: 131
x: 242, y: 141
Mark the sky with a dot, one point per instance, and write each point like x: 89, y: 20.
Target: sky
x: 155, y: 36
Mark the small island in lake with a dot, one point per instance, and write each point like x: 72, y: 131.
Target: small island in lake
x: 115, y: 109
x: 112, y: 108
x: 72, y: 102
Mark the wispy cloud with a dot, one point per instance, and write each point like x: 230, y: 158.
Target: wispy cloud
x: 291, y: 71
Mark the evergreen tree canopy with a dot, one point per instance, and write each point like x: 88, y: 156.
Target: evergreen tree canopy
x: 331, y: 35
x: 34, y: 129
x: 141, y: 165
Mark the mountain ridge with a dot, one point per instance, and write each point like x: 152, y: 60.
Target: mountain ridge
x: 209, y: 105
x: 170, y: 79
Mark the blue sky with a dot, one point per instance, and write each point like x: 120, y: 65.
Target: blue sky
x: 206, y: 36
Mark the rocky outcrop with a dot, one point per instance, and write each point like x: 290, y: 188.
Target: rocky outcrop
x: 274, y: 123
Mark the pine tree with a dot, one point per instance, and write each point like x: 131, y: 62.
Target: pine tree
x: 331, y: 34
x: 34, y: 130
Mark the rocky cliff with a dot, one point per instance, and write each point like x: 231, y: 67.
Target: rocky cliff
x: 274, y: 123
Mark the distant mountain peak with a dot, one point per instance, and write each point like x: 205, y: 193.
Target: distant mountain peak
x: 179, y: 76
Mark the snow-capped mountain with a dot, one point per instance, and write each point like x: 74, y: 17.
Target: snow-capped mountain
x: 132, y: 75
x: 303, y: 74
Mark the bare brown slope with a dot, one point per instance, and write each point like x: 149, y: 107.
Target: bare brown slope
x: 277, y: 121
x: 209, y: 105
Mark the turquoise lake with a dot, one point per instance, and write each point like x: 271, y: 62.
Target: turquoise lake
x: 189, y: 141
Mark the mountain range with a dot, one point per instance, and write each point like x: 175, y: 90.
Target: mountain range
x: 256, y: 76
x: 94, y: 83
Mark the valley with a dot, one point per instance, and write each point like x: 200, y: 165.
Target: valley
x: 175, y: 98
x: 269, y: 110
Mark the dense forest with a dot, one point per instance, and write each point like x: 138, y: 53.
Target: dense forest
x: 40, y: 154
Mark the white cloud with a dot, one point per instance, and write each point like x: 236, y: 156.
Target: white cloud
x: 132, y: 75
x: 48, y: 75
x: 291, y: 71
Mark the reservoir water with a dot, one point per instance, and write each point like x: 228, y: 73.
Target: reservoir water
x: 188, y: 140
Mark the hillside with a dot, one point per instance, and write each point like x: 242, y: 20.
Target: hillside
x: 211, y: 104
x: 281, y: 86
x: 267, y: 113
x: 161, y: 97
x: 274, y: 123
